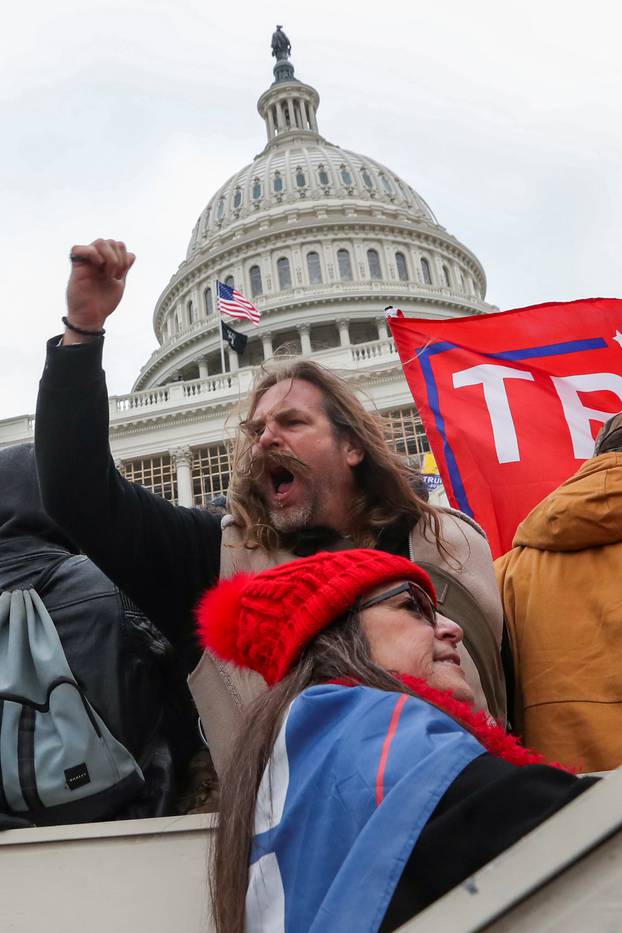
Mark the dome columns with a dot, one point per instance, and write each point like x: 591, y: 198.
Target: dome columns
x: 383, y: 331
x: 182, y: 462
x: 234, y: 363
x: 305, y: 339
x: 266, y: 340
x: 289, y: 107
x: 343, y: 327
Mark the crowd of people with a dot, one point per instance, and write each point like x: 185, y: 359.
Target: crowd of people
x: 359, y: 670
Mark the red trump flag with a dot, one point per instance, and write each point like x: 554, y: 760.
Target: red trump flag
x: 512, y: 402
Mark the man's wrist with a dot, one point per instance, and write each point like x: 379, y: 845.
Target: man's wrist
x: 76, y: 333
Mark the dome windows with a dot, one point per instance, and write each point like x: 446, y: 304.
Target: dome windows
x: 373, y: 261
x: 314, y: 268
x: 367, y: 179
x: 220, y: 210
x: 283, y: 270
x: 256, y: 190
x: 344, y: 264
x: 301, y: 180
x: 402, y: 268
x: 425, y: 271
x: 190, y: 311
x: 387, y: 184
x: 230, y: 281
x: 256, y: 284
x: 446, y: 278
x: 277, y: 183
x: 207, y: 295
x: 237, y: 198
x: 322, y: 175
x: 346, y: 177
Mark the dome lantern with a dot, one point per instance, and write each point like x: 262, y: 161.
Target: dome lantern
x: 288, y: 107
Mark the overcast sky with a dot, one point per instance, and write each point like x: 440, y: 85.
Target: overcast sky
x: 122, y: 118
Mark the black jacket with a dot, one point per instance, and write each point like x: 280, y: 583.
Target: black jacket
x: 163, y: 556
x: 120, y: 658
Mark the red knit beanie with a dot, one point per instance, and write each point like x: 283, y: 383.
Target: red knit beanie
x: 263, y: 621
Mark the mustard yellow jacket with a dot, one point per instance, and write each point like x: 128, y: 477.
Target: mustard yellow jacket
x: 561, y: 588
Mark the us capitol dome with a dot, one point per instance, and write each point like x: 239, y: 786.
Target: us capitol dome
x: 321, y: 239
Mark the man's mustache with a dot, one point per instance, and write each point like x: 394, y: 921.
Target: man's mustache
x: 263, y: 464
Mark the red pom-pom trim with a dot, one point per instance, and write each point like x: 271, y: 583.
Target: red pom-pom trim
x: 218, y: 617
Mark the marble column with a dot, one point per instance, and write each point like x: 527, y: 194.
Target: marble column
x: 344, y: 332
x: 292, y: 115
x: 383, y: 332
x: 271, y: 128
x: 305, y: 340
x: 203, y: 370
x: 182, y: 461
x: 234, y: 362
x: 266, y: 340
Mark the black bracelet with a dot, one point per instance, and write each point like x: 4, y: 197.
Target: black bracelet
x: 80, y: 330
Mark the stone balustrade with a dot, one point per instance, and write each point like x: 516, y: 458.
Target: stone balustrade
x: 224, y: 388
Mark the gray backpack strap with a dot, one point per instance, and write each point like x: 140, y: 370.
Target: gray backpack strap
x: 220, y: 690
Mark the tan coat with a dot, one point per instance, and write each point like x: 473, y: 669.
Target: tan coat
x: 561, y: 586
x: 221, y: 691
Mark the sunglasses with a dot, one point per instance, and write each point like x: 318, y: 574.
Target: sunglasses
x: 422, y: 604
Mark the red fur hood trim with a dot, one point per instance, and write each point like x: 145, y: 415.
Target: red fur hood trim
x: 492, y: 736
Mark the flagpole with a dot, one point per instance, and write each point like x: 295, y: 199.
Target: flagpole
x: 222, y: 346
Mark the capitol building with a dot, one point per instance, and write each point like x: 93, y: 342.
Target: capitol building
x: 321, y: 239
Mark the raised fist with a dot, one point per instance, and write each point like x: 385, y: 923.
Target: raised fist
x: 97, y: 281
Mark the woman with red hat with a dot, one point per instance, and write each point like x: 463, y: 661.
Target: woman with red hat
x: 363, y: 785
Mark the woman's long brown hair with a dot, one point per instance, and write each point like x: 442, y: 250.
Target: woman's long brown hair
x: 340, y: 651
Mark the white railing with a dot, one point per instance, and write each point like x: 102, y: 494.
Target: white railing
x: 224, y: 383
x: 148, y: 398
x: 18, y: 430
x: 374, y: 350
x: 175, y: 395
x: 221, y: 387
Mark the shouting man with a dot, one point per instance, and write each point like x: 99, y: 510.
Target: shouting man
x: 312, y: 471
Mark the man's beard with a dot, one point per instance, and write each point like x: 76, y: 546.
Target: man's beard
x: 293, y: 519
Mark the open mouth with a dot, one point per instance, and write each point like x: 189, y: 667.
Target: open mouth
x: 281, y: 480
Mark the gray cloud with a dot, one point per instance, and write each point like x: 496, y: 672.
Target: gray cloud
x: 121, y: 119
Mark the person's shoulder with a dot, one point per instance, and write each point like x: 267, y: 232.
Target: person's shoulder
x: 76, y: 579
x: 462, y: 520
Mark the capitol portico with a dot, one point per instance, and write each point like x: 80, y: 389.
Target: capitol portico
x: 321, y: 239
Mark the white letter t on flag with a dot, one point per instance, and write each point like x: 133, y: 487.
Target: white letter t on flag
x: 492, y: 378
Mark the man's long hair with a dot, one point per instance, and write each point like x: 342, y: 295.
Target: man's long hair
x: 340, y: 651
x: 384, y: 480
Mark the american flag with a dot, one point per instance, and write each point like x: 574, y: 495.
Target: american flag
x: 235, y: 304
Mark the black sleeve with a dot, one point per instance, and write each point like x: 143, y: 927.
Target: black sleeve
x: 163, y: 556
x: 488, y: 808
